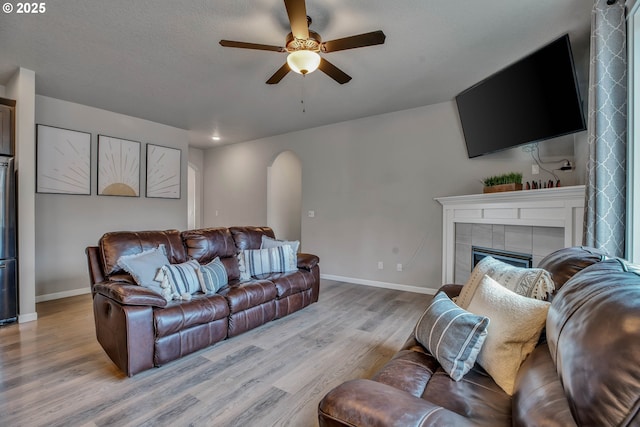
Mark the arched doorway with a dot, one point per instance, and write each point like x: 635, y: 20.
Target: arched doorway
x: 193, y: 198
x: 284, y: 196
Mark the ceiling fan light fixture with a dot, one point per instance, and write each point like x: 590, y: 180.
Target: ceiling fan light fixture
x: 303, y: 61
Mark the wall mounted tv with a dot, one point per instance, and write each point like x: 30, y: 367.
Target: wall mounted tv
x: 535, y: 99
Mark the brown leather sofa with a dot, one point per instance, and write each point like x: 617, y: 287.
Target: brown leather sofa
x: 586, y: 372
x: 139, y: 329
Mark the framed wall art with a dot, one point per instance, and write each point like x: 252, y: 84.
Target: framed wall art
x: 163, y: 172
x: 63, y: 161
x: 118, y: 167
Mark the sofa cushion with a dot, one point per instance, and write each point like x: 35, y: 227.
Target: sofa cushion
x: 249, y: 237
x: 113, y: 245
x: 513, y: 332
x: 529, y: 282
x: 453, y: 335
x: 245, y: 295
x: 563, y: 264
x: 213, y: 276
x: 144, y: 267
x: 181, y: 315
x: 291, y: 282
x: 539, y: 398
x: 593, y: 332
x: 476, y: 396
x: 205, y: 244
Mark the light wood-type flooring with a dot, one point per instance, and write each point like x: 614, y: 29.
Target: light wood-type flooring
x: 53, y: 372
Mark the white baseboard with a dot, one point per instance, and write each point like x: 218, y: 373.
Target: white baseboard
x: 63, y: 294
x: 29, y: 317
x: 377, y: 284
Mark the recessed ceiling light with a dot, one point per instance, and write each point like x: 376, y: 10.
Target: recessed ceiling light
x: 215, y: 138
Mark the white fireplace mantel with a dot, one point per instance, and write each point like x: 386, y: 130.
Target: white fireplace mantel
x: 553, y: 207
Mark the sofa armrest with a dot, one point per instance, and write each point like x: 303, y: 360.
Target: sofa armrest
x: 307, y: 261
x: 128, y: 294
x: 370, y: 403
x: 452, y: 290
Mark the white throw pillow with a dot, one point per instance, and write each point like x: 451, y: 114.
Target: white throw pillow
x: 529, y: 282
x: 513, y: 332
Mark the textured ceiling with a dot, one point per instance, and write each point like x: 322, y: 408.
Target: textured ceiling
x: 160, y: 59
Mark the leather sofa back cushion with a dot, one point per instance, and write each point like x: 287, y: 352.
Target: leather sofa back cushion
x: 206, y: 244
x: 593, y: 332
x: 564, y: 263
x: 115, y: 244
x: 247, y: 238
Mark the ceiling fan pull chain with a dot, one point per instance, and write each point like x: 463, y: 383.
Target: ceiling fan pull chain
x: 302, y: 94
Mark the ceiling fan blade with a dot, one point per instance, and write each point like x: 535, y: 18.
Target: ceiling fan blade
x: 334, y: 72
x: 352, y: 42
x: 297, y: 12
x: 243, y: 45
x: 279, y: 75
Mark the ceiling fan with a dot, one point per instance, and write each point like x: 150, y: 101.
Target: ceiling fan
x: 304, y: 45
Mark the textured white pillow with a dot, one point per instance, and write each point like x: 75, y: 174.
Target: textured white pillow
x: 513, y: 332
x: 529, y: 282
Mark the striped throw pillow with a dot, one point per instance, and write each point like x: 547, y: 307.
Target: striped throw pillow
x: 183, y: 278
x: 452, y: 335
x: 263, y: 261
x: 213, y: 276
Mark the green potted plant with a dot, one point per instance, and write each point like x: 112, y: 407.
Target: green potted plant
x: 506, y: 182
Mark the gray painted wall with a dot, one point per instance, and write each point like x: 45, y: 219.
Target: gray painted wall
x: 66, y: 224
x: 371, y: 183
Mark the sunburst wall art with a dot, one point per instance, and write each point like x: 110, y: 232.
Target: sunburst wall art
x: 163, y: 172
x: 63, y: 160
x: 118, y: 167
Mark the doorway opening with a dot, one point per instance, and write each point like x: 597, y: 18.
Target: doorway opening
x: 284, y: 196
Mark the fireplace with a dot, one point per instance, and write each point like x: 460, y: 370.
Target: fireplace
x: 534, y: 222
x: 514, y: 258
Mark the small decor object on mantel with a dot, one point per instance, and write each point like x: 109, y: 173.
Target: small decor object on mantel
x: 507, y: 182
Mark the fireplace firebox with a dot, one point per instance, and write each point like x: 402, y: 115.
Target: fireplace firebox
x: 514, y: 258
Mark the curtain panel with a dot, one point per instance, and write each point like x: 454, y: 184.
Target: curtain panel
x: 605, y: 198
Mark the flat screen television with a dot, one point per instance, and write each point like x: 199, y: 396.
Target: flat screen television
x: 535, y: 99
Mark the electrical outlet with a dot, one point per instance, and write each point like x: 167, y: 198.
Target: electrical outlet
x: 535, y: 170
x: 399, y: 267
x: 380, y: 265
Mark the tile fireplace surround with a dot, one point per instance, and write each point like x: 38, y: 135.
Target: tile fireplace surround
x: 531, y: 221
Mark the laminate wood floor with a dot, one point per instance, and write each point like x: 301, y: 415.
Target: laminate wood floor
x: 53, y: 372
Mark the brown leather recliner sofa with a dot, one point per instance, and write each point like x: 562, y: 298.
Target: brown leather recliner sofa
x: 586, y: 372
x: 139, y: 329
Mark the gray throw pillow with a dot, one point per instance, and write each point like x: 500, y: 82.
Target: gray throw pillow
x: 144, y: 267
x: 452, y: 335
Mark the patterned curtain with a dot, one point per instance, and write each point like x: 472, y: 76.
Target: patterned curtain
x: 605, y: 198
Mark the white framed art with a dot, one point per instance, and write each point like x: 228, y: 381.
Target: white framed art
x: 163, y: 172
x: 63, y: 161
x: 118, y: 167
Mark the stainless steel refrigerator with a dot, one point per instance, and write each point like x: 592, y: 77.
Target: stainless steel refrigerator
x: 8, y: 230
